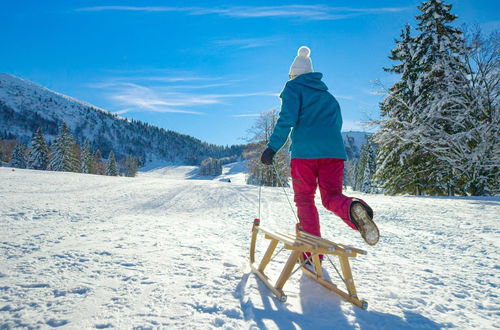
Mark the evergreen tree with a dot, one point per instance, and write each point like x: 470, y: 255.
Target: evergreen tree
x: 400, y: 159
x: 86, y: 158
x: 442, y: 83
x: 1, y: 152
x: 39, y: 152
x: 111, y: 165
x: 63, y: 156
x: 365, y: 168
x: 131, y: 166
x: 423, y: 112
x: 19, y: 156
x: 97, y: 164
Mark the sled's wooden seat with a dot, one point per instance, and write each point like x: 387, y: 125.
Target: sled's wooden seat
x: 297, y: 244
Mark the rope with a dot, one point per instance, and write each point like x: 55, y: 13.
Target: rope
x: 260, y: 194
x: 284, y: 190
x: 282, y: 248
x: 336, y: 269
x: 302, y: 264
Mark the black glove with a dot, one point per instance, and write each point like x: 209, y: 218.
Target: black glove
x: 267, y: 156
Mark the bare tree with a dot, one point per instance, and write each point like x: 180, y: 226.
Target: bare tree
x: 258, y: 173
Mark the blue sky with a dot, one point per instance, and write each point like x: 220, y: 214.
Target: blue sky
x: 208, y: 68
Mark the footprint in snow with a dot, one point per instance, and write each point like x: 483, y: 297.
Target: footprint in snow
x: 56, y: 323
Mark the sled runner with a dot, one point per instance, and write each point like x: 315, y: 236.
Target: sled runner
x: 296, y: 244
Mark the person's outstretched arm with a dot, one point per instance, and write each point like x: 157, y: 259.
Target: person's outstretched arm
x: 289, y: 114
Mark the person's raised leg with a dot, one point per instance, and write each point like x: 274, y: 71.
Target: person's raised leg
x: 355, y: 212
x: 330, y: 175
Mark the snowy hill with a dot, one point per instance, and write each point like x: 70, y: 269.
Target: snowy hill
x: 163, y: 251
x: 25, y: 106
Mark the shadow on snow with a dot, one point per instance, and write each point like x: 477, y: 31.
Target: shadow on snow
x: 321, y: 309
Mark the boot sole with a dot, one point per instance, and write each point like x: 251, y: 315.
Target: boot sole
x: 368, y: 228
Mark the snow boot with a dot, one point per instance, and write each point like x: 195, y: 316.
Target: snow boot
x: 362, y: 216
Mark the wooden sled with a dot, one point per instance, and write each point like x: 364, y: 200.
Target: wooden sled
x: 297, y: 244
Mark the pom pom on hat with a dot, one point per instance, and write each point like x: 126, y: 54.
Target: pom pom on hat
x: 303, y: 51
x: 302, y: 63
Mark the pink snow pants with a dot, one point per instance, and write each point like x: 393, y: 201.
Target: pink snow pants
x: 307, y: 174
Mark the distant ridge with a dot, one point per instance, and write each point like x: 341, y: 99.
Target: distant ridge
x: 25, y: 106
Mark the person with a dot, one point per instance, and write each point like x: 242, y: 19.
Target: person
x: 313, y: 116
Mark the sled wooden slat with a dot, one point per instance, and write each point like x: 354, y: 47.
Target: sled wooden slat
x: 320, y: 243
x: 337, y: 245
x: 301, y: 240
x: 277, y: 236
x: 297, y: 244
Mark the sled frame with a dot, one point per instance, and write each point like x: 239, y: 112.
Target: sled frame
x: 297, y: 244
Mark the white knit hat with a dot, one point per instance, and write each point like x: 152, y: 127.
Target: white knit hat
x: 302, y: 63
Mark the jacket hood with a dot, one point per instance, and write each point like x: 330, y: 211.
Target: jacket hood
x: 311, y: 80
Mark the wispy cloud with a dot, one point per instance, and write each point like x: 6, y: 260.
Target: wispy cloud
x: 245, y: 43
x: 356, y: 125
x: 133, y: 97
x: 247, y: 115
x: 301, y: 12
x: 164, y: 95
x: 344, y: 97
x: 373, y: 91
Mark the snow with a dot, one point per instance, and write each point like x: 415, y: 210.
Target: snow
x: 168, y: 250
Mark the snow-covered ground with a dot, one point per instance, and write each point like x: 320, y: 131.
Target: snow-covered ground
x: 170, y: 249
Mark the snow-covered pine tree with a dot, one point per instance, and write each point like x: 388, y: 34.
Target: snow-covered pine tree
x: 19, y: 156
x: 97, y: 163
x: 111, y: 165
x: 414, y: 154
x: 365, y: 168
x: 370, y: 184
x: 63, y: 156
x: 39, y: 152
x: 131, y: 166
x: 441, y: 85
x: 86, y: 158
x: 1, y: 152
x: 401, y: 160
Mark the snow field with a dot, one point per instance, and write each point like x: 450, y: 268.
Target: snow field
x: 163, y: 250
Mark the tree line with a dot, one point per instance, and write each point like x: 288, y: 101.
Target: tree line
x: 64, y: 154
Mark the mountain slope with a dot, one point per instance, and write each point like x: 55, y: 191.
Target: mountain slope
x: 25, y: 106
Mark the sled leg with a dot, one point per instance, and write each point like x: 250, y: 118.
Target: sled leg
x: 285, y: 274
x: 346, y: 271
x: 255, y: 230
x: 317, y: 265
x: 269, y: 253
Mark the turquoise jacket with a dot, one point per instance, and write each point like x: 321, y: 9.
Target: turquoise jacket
x: 313, y: 115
